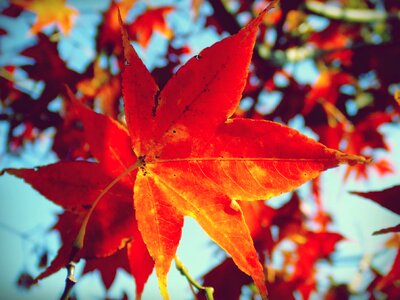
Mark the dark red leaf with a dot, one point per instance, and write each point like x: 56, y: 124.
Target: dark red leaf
x: 388, y: 198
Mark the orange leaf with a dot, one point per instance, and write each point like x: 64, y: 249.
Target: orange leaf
x: 326, y: 88
x: 104, y: 87
x: 196, y: 162
x: 150, y: 21
x: 193, y: 161
x: 49, y: 12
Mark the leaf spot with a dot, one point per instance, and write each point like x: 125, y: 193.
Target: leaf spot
x: 86, y: 206
x: 160, y: 257
x: 142, y: 160
x: 232, y: 208
x: 235, y: 206
x: 156, y: 102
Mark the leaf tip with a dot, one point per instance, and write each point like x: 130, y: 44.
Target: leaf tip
x: 15, y: 172
x: 262, y: 289
x: 394, y: 229
x: 125, y: 39
x: 34, y: 282
x: 121, y: 23
x: 70, y: 94
x: 271, y: 5
x: 162, y: 282
x: 378, y: 232
x: 352, y: 159
x: 76, y: 105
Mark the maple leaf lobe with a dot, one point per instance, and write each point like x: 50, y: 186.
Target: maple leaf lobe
x: 112, y: 224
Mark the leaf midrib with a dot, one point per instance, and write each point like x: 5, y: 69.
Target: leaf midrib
x: 237, y: 159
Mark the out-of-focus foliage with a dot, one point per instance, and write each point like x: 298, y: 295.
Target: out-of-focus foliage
x: 331, y: 64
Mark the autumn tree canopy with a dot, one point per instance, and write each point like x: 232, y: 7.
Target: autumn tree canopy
x: 152, y: 123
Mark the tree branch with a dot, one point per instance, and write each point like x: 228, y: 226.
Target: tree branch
x: 70, y: 281
x: 349, y: 14
x: 297, y: 54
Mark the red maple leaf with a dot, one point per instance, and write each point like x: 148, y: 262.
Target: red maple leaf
x: 189, y: 159
x: 389, y: 283
x: 134, y: 259
x: 75, y: 186
x: 311, y: 247
x: 150, y: 21
x: 335, y: 40
x: 389, y: 199
x: 109, y: 32
x: 225, y: 288
x: 360, y: 138
x: 326, y: 88
x: 104, y: 88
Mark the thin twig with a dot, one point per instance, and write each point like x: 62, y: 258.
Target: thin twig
x: 79, y: 240
x: 70, y: 281
x: 355, y: 15
x: 209, y: 291
x: 301, y: 53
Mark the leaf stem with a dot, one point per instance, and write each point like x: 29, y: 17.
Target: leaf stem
x: 79, y: 240
x: 209, y: 291
x: 70, y: 281
x: 78, y: 243
x: 336, y: 115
